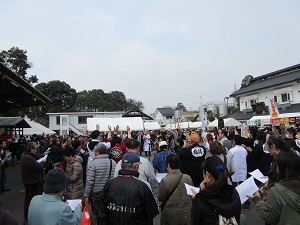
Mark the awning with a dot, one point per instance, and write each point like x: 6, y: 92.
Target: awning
x: 16, y: 92
x: 13, y: 122
x: 228, y: 122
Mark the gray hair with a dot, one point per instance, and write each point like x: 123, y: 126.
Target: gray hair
x: 129, y: 165
x: 29, y: 146
x: 101, y: 148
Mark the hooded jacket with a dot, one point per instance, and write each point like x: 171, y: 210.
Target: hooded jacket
x: 207, y: 205
x: 74, y: 169
x: 283, y: 204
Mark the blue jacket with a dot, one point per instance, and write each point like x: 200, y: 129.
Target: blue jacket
x: 48, y: 209
x: 159, y: 161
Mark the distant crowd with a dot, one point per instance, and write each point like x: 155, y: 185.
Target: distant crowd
x: 115, y: 174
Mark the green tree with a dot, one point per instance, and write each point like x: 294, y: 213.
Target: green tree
x: 180, y: 106
x: 16, y: 60
x: 135, y: 104
x: 116, y: 101
x: 92, y: 100
x: 62, y: 96
x: 211, y: 116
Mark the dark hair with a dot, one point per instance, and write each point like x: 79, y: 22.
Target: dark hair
x: 238, y: 139
x: 223, y: 131
x: 173, y: 160
x: 1, y: 141
x: 68, y: 151
x: 95, y: 134
x: 253, y: 131
x: 292, y: 130
x: 76, y: 144
x: 278, y: 141
x: 215, y: 166
x: 261, y: 136
x: 132, y: 144
x: 216, y: 148
x: 288, y: 165
x: 180, y: 141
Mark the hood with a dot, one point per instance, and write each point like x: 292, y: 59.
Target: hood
x: 290, y: 192
x: 226, y: 202
x: 91, y: 145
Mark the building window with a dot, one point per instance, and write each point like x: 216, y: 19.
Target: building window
x: 283, y: 97
x: 64, y: 121
x: 83, y: 119
x: 57, y: 120
x: 169, y: 117
x: 250, y: 102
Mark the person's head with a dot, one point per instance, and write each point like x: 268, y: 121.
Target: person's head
x: 56, y: 181
x: 261, y: 136
x: 291, y: 132
x: 179, y: 142
x: 276, y: 143
x: 68, y: 154
x: 253, y: 132
x: 163, y: 145
x: 172, y: 162
x: 223, y: 133
x: 95, y: 134
x: 2, y: 144
x: 238, y: 140
x: 130, y: 161
x: 288, y: 165
x: 100, y: 149
x: 31, y: 147
x: 216, y: 148
x: 215, y: 174
x: 195, y: 137
x: 133, y: 145
x: 77, y: 145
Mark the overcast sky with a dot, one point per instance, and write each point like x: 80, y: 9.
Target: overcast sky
x: 160, y: 52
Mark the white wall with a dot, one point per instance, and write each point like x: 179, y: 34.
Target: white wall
x: 267, y: 94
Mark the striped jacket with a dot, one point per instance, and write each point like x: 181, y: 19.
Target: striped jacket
x: 98, y: 174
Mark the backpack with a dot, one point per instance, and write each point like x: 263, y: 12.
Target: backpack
x: 227, y: 221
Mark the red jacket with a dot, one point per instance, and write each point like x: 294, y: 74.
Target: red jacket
x: 116, y: 153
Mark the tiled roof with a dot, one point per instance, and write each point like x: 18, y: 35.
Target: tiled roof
x: 13, y: 122
x: 284, y: 76
x: 166, y: 111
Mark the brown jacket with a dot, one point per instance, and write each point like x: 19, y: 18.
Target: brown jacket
x: 31, y: 170
x: 177, y: 209
x: 74, y: 169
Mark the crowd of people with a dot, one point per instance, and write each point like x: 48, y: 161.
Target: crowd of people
x: 113, y: 174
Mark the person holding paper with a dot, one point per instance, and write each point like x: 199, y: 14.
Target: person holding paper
x: 216, y: 196
x: 172, y: 192
x: 283, y: 204
x: 31, y: 172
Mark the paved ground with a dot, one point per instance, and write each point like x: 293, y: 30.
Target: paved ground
x: 13, y: 200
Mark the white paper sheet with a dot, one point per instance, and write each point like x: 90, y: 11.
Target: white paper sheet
x: 248, y: 187
x: 189, y: 189
x: 73, y: 203
x: 259, y: 176
x: 160, y: 176
x: 41, y: 159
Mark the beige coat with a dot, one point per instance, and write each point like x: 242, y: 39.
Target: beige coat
x: 75, y: 188
x: 177, y: 210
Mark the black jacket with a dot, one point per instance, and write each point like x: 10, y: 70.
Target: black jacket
x: 31, y: 170
x: 128, y: 200
x: 207, y: 205
x: 191, y: 160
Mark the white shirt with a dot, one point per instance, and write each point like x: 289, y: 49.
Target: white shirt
x: 92, y: 153
x: 238, y: 156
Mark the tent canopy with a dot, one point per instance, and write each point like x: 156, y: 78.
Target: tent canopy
x: 184, y: 125
x: 228, y: 122
x: 36, y: 128
x: 135, y: 123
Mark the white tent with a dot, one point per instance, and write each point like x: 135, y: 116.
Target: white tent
x: 36, y: 128
x: 228, y: 122
x: 152, y: 126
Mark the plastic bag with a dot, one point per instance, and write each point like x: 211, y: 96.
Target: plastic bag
x: 85, y: 218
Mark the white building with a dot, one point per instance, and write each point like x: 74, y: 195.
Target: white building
x: 255, y: 93
x: 164, y: 116
x: 76, y: 121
